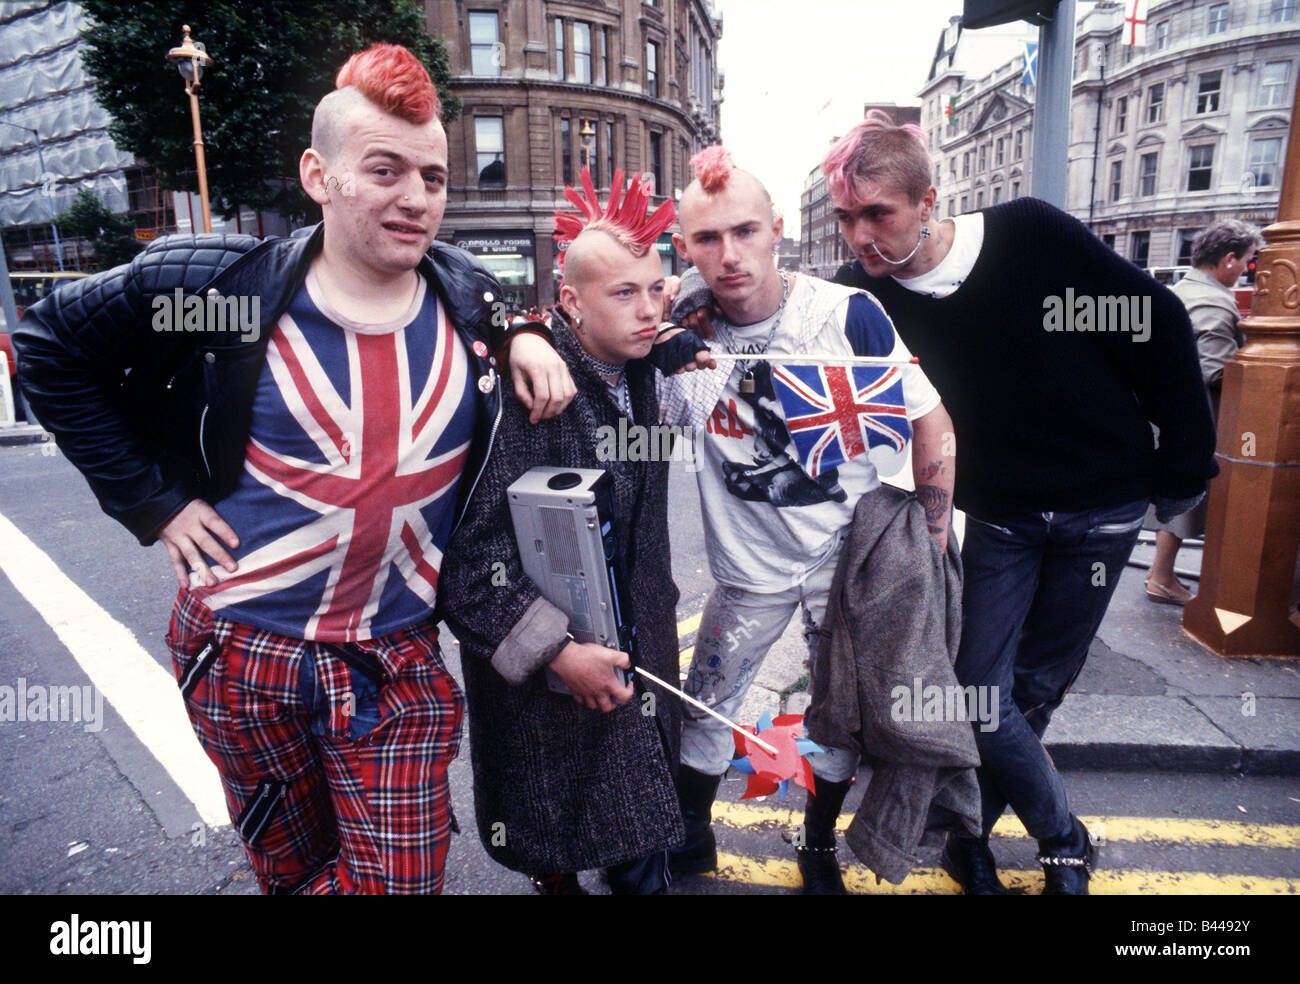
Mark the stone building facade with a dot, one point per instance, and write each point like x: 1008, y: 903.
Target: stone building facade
x: 549, y: 86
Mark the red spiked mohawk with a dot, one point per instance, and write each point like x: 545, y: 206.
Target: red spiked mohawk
x: 713, y: 167
x: 393, y: 79
x: 626, y: 221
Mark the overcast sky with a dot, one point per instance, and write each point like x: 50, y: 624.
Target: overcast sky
x: 798, y: 74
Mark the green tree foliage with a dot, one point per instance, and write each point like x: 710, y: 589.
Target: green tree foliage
x: 273, y: 62
x: 112, y: 234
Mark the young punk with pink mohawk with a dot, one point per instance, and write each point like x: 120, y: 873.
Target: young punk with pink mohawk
x: 536, y: 752
x: 1058, y: 461
x: 775, y: 525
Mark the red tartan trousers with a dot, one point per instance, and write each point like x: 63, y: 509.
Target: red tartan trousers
x: 333, y: 758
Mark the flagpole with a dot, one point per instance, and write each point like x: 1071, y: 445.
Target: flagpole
x: 711, y: 712
x: 815, y: 358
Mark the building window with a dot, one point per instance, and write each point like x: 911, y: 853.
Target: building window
x: 490, y: 147
x: 1264, y: 156
x: 1147, y: 175
x: 1162, y: 35
x: 1108, y: 240
x: 1140, y: 248
x: 484, y: 44
x: 1207, y: 94
x: 1185, y: 239
x: 602, y: 76
x: 1015, y: 189
x: 1121, y: 114
x: 652, y: 69
x: 566, y: 152
x: 979, y: 199
x: 984, y: 159
x: 1156, y: 103
x: 1000, y: 153
x: 965, y: 203
x: 1217, y: 21
x: 1273, y: 78
x: 1282, y: 12
x: 1020, y: 144
x: 609, y: 151
x: 952, y: 168
x: 1116, y: 180
x: 1201, y: 168
x: 657, y: 162
x: 559, y: 48
x: 965, y: 168
x: 581, y: 52
x: 997, y: 194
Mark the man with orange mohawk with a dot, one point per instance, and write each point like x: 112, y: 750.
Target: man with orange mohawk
x: 567, y: 783
x: 775, y: 522
x: 305, y: 472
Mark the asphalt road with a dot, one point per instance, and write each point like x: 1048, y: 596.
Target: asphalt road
x: 86, y: 806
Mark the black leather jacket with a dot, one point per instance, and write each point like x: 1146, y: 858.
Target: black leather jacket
x: 154, y: 419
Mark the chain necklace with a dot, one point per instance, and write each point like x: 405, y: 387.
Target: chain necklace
x: 618, y: 390
x: 746, y: 365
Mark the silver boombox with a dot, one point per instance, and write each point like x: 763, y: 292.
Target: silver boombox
x: 568, y: 544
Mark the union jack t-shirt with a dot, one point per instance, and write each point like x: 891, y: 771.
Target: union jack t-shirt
x: 358, y: 438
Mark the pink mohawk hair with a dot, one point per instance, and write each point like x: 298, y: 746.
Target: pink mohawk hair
x: 624, y: 217
x: 713, y: 167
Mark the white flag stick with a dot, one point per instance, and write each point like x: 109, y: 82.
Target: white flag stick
x: 817, y: 359
x: 712, y: 713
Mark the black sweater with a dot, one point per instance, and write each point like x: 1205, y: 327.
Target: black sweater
x: 1050, y: 419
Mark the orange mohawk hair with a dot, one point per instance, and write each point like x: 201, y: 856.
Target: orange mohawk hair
x: 626, y: 221
x: 393, y: 79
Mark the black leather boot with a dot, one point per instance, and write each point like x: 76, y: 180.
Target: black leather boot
x: 1068, y: 861
x: 817, y: 855
x: 971, y: 864
x: 562, y: 884
x: 699, y: 852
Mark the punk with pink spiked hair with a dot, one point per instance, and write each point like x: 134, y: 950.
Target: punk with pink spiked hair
x: 625, y: 217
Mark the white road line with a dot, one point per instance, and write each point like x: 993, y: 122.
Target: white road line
x: 142, y: 692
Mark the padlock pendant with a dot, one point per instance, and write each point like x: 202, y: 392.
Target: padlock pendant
x: 747, y: 383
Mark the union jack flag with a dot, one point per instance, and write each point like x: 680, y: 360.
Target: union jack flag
x: 835, y: 413
x: 356, y: 447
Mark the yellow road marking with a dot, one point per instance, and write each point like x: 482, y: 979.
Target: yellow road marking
x: 684, y: 658
x: 689, y: 625
x: 776, y: 873
x: 1216, y: 833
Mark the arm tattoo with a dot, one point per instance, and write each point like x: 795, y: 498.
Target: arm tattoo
x: 935, y: 502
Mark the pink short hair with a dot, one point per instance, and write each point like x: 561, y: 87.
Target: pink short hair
x: 879, y: 150
x: 713, y: 168
x: 392, y: 78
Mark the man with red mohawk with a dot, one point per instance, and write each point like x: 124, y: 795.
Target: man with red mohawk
x: 567, y: 783
x: 304, y: 472
x: 774, y: 523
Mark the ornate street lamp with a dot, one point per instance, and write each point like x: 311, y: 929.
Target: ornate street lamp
x: 190, y: 60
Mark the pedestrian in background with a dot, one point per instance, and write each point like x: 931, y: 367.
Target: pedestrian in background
x: 1219, y: 255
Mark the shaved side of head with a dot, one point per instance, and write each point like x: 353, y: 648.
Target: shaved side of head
x: 586, y: 257
x: 329, y: 124
x: 739, y: 180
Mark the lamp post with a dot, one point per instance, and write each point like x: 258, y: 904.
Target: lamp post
x: 45, y: 185
x: 190, y: 60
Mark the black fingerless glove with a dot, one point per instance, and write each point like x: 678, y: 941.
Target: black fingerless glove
x: 678, y: 351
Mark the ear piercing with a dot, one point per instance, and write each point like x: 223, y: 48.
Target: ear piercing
x: 925, y: 232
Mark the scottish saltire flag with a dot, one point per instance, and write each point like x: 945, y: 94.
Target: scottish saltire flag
x: 1031, y: 64
x: 1135, y: 23
x: 835, y: 413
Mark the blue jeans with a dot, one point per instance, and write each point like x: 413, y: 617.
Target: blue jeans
x: 1036, y: 588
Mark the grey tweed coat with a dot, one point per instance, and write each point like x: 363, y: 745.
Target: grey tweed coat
x: 558, y: 787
